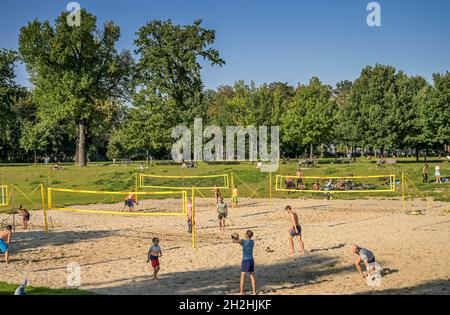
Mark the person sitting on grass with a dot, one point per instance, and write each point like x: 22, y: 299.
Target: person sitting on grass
x: 294, y: 230
x: 25, y: 214
x: 364, y: 255
x: 329, y: 185
x: 154, y: 253
x: 290, y: 183
x: 21, y: 289
x: 340, y: 185
x: 56, y: 167
x: 5, y: 241
x: 222, y: 211
x: 248, y: 263
x: 316, y: 186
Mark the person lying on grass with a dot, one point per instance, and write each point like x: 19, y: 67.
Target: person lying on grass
x: 364, y: 255
x: 154, y: 253
x: 248, y: 263
x: 5, y: 241
x: 294, y: 230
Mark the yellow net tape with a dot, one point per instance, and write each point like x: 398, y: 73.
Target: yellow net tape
x: 224, y: 181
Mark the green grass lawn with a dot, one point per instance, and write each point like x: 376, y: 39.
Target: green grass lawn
x: 108, y: 177
x: 8, y: 289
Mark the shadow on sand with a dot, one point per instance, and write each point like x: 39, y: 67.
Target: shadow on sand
x: 290, y: 274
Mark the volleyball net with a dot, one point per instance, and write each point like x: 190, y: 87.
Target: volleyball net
x: 336, y: 184
x: 200, y: 182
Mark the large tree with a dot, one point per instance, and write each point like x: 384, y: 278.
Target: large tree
x: 168, y: 88
x: 308, y: 120
x: 74, y: 69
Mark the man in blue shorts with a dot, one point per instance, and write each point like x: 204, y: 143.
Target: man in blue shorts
x: 248, y: 263
x: 295, y: 230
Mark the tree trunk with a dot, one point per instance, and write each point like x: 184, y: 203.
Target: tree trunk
x: 417, y: 153
x: 35, y: 157
x: 321, y: 150
x: 81, y: 145
x: 311, y: 151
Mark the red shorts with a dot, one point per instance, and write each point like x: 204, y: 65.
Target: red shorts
x: 155, y: 262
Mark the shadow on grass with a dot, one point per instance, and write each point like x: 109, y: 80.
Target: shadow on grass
x: 8, y: 289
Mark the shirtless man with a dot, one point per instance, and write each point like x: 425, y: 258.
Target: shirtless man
x: 129, y: 202
x: 5, y: 240
x: 217, y: 194
x: 294, y: 230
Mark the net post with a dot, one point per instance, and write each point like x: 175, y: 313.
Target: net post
x: 136, y: 186
x: 232, y: 187
x: 403, y: 192
x: 44, y: 209
x: 12, y: 208
x: 194, y: 230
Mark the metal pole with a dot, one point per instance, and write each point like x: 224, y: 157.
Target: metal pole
x: 44, y: 209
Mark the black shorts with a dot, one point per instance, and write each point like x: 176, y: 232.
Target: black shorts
x: 222, y: 216
x: 248, y: 265
x: 371, y: 261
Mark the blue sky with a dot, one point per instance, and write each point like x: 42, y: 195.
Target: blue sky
x: 277, y: 40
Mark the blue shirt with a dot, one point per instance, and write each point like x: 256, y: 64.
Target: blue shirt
x: 247, y: 249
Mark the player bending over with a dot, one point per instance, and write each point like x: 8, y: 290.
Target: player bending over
x: 294, y: 230
x: 364, y: 255
x: 5, y: 241
x: 153, y: 255
x: 248, y: 263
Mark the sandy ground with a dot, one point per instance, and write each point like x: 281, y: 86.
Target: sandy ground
x: 111, y: 250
